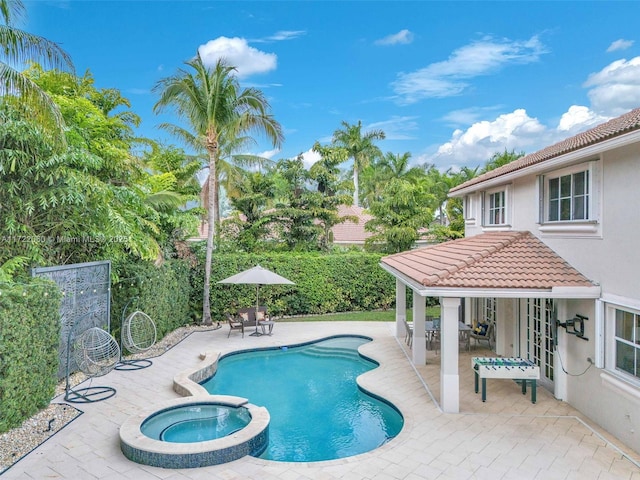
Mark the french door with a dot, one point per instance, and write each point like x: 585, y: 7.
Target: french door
x: 539, y: 339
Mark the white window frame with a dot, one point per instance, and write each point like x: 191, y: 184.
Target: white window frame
x: 487, y: 209
x: 574, y: 199
x: 470, y: 209
x: 612, y: 342
x: 587, y: 226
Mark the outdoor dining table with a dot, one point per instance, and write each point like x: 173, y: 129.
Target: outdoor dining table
x: 433, y: 326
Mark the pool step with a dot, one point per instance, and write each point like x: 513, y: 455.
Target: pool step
x: 340, y: 352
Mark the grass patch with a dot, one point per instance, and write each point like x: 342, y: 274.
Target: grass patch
x: 377, y: 316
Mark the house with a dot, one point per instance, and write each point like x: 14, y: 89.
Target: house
x: 350, y: 232
x: 346, y: 233
x: 551, y: 256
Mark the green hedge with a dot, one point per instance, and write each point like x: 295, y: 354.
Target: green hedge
x: 162, y: 292
x: 29, y: 340
x: 324, y: 283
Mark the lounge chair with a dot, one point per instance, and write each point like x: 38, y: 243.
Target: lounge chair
x: 235, y: 324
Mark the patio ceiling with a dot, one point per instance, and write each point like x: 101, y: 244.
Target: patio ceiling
x: 509, y: 264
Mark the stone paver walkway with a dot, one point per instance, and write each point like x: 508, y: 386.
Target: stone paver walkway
x: 505, y: 438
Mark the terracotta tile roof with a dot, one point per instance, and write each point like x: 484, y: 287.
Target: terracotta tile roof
x: 626, y: 123
x: 348, y: 231
x: 491, y: 260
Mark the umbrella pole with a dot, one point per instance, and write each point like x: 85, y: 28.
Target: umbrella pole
x: 257, y: 308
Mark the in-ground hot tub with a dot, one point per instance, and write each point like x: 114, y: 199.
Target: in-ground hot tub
x: 195, y: 432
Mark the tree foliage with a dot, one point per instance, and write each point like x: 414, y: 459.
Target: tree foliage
x: 360, y: 148
x: 95, y: 198
x: 217, y: 111
x: 399, y: 217
x: 18, y: 47
x: 499, y: 159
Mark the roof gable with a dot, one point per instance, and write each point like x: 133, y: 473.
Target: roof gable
x: 626, y: 123
x: 515, y: 260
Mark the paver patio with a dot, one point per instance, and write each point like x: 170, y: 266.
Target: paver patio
x: 507, y: 437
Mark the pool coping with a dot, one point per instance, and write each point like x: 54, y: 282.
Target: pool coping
x: 140, y: 448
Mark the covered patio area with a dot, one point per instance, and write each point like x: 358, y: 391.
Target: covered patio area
x: 496, y: 265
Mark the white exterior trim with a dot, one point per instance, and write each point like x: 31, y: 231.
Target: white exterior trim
x: 448, y: 292
x: 554, y: 163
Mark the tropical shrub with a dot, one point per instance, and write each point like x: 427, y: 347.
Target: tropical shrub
x: 162, y: 292
x: 324, y: 283
x: 29, y: 341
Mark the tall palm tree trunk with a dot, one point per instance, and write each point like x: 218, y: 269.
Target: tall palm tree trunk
x: 212, y: 221
x: 356, y: 185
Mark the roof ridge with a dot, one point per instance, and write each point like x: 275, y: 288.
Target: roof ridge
x: 613, y: 127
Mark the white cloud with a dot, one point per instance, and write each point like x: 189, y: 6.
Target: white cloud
x: 281, y: 35
x: 238, y: 53
x: 396, y: 128
x: 269, y: 153
x: 620, y: 44
x: 310, y: 157
x: 402, y: 37
x: 449, y: 77
x: 616, y: 88
x: 579, y: 118
x: 475, y: 145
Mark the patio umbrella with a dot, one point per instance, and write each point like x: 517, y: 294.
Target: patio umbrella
x: 257, y: 276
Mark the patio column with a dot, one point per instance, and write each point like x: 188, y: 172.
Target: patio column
x: 401, y: 307
x: 449, y: 375
x: 419, y: 347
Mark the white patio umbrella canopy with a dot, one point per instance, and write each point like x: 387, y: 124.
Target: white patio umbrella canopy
x: 257, y: 276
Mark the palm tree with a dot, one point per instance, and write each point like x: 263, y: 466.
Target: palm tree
x: 17, y: 48
x: 360, y: 148
x: 211, y: 101
x: 396, y: 165
x: 232, y: 167
x: 499, y: 159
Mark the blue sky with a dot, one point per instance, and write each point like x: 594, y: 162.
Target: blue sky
x: 450, y: 82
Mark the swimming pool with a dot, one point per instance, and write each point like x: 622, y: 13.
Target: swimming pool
x: 317, y: 410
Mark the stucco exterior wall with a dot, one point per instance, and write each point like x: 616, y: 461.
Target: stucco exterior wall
x: 609, y: 257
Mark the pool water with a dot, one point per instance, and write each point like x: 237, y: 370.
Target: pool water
x: 317, y: 410
x: 195, y: 423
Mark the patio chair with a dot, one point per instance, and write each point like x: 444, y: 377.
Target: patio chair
x: 408, y: 329
x: 433, y: 336
x: 235, y: 324
x: 484, y: 334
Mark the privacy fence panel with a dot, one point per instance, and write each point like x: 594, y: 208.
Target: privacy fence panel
x: 86, y: 289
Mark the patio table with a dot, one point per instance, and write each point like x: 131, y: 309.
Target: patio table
x: 433, y: 326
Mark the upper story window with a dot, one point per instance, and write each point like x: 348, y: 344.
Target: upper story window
x: 569, y: 197
x: 570, y: 194
x: 496, y: 207
x: 570, y: 200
